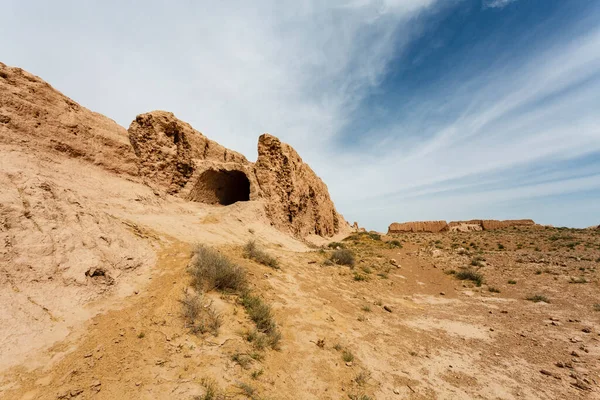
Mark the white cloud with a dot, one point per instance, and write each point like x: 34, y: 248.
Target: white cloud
x: 496, y: 3
x: 232, y: 69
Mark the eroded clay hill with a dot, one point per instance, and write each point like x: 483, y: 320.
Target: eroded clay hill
x: 85, y: 205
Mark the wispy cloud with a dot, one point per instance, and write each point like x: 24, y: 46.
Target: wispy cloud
x: 496, y: 3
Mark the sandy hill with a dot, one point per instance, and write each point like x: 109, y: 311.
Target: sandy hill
x: 106, y: 294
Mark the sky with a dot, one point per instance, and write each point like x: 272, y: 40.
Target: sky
x: 407, y: 109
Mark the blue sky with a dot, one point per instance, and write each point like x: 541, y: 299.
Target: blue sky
x: 408, y: 109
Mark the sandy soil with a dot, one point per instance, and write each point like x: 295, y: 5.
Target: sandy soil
x: 443, y: 339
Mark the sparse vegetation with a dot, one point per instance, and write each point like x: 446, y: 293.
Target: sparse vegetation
x: 336, y: 245
x: 212, y: 270
x: 366, y: 308
x: 512, y: 282
x: 260, y: 313
x: 247, y: 389
x: 199, y: 315
x: 477, y: 261
x: 500, y: 246
x: 257, y: 373
x: 243, y: 360
x: 359, y: 397
x: 254, y: 252
x: 347, y: 356
x: 211, y: 392
x: 342, y: 257
x: 360, y: 277
x: 492, y: 289
x: 537, y: 298
x: 375, y: 236
x: 394, y: 244
x: 596, y: 307
x: 470, y: 275
x: 362, y: 377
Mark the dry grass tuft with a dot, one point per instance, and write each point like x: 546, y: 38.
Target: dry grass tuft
x: 253, y: 252
x: 343, y: 257
x: 199, y: 315
x: 212, y: 270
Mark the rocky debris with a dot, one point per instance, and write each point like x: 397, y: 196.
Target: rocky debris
x: 296, y: 199
x: 453, y: 226
x: 34, y: 114
x: 418, y: 226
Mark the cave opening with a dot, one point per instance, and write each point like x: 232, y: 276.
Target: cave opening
x: 221, y: 187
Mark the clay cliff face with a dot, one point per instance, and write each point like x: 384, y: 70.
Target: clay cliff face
x: 34, y: 114
x: 296, y: 198
x: 170, y: 151
x: 460, y: 226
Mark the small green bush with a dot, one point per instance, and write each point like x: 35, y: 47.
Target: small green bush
x: 347, y: 356
x: 538, y: 298
x: 470, y: 275
x: 260, y: 313
x: 394, y: 244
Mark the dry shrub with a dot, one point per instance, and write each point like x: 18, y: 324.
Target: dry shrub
x: 343, y: 257
x: 253, y: 252
x: 212, y: 270
x: 199, y: 315
x: 260, y: 313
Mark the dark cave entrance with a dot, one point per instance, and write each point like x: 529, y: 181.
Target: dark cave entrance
x: 221, y: 187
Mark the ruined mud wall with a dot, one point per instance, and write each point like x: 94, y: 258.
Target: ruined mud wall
x: 418, y: 226
x: 457, y: 226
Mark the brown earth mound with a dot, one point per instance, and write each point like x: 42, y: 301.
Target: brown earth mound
x: 34, y: 114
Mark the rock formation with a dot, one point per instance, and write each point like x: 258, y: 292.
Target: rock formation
x: 457, y: 226
x: 296, y: 198
x: 175, y: 157
x: 171, y: 154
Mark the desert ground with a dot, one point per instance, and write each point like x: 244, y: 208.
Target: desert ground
x: 399, y: 323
